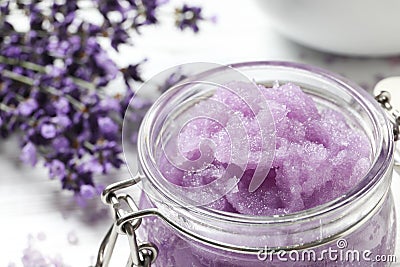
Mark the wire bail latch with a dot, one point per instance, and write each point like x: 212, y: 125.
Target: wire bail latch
x: 127, y: 219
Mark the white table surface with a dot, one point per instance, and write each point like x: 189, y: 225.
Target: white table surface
x: 30, y: 204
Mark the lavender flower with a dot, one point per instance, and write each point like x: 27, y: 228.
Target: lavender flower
x: 29, y: 154
x: 57, y: 169
x: 108, y: 128
x: 188, y: 17
x: 48, y: 131
x: 132, y: 72
x: 52, y: 78
x: 27, y: 107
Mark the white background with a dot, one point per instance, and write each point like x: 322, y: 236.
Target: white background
x: 31, y: 204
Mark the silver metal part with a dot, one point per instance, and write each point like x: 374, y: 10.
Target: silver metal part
x: 387, y: 93
x: 127, y: 221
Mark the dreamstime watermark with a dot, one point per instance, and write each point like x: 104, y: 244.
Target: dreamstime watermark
x: 339, y: 254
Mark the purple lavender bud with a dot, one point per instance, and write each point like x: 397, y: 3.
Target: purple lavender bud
x: 93, y: 166
x: 28, y: 154
x: 189, y: 17
x: 61, y: 144
x: 4, y: 8
x: 62, y: 120
x: 107, y: 126
x: 62, y: 105
x: 93, y: 29
x: 110, y: 104
x: 132, y: 72
x: 108, y: 67
x: 48, y: 131
x: 56, y: 72
x: 150, y: 7
x: 12, y: 51
x: 57, y: 169
x: 69, y: 18
x: 120, y: 37
x: 74, y: 42
x: 87, y: 191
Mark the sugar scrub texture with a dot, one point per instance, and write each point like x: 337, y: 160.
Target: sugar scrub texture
x: 318, y: 156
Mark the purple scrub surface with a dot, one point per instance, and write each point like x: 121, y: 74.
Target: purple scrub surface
x: 318, y: 155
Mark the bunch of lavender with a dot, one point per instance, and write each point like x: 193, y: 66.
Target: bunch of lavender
x: 53, y: 77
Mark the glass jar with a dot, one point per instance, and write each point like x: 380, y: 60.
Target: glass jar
x: 355, y: 229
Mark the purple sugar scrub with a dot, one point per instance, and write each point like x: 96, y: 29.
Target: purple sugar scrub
x: 318, y: 156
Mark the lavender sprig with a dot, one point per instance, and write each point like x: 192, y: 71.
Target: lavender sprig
x: 53, y: 80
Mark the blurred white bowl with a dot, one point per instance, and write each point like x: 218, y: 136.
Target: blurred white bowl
x: 350, y: 27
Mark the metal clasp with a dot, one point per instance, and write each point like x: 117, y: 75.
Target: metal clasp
x: 127, y: 221
x: 384, y: 98
x: 387, y: 93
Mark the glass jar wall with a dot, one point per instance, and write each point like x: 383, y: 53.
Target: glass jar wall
x: 355, y: 228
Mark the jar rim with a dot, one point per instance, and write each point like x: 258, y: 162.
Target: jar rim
x: 380, y: 164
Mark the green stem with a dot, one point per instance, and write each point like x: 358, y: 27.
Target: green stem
x: 24, y: 64
x: 49, y: 89
x: 39, y: 68
x: 5, y: 107
x: 17, y: 77
x: 83, y: 83
x: 20, y: 98
x: 89, y: 146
